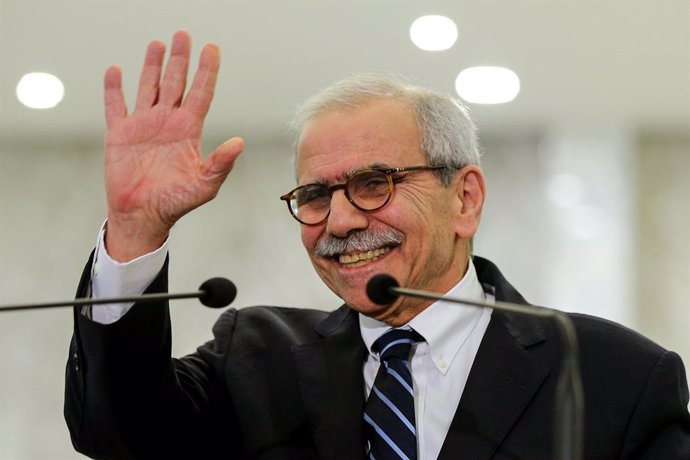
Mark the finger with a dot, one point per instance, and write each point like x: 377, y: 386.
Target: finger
x: 149, y: 79
x: 114, y: 100
x: 219, y: 164
x: 175, y: 78
x: 200, y: 94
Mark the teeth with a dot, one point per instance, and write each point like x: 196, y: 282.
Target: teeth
x: 362, y: 258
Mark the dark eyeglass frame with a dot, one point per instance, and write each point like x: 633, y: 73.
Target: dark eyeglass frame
x: 345, y: 187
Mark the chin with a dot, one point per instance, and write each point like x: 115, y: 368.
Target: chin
x: 366, y: 308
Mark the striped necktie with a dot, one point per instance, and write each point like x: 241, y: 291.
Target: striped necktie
x: 389, y: 411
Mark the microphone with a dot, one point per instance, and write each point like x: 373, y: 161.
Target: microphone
x: 217, y: 292
x: 383, y: 289
x: 214, y: 293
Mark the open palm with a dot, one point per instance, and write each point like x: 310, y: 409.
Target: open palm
x: 154, y: 169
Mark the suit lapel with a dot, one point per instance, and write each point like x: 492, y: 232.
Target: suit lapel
x: 503, y: 380
x: 332, y: 386
x: 504, y: 376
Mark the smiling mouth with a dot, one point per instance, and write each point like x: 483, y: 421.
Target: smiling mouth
x: 362, y: 258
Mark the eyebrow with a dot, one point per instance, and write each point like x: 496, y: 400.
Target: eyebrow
x: 343, y: 177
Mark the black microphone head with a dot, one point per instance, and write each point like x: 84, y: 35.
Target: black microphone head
x: 218, y: 292
x: 379, y: 289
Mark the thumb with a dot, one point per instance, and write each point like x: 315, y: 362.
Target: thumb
x: 220, y: 162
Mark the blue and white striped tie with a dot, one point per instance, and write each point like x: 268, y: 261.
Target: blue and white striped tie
x: 389, y: 411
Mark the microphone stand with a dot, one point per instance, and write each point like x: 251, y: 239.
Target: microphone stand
x: 80, y: 302
x: 214, y: 293
x: 569, y: 401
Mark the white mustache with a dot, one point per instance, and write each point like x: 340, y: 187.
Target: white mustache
x: 358, y: 241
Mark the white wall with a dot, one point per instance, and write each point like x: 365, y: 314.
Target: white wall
x: 662, y: 278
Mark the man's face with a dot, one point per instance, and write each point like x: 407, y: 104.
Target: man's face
x: 419, y: 218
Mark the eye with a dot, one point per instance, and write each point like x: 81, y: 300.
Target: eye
x: 369, y: 183
x: 312, y: 195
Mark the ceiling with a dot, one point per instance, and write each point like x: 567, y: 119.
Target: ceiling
x: 612, y: 62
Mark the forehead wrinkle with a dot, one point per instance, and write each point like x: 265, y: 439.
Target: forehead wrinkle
x: 379, y: 137
x: 345, y: 175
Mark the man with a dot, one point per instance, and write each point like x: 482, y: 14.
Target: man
x: 388, y: 182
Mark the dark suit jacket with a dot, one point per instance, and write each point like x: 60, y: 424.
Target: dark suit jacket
x: 285, y: 383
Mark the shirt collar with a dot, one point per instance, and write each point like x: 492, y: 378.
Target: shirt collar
x: 445, y: 326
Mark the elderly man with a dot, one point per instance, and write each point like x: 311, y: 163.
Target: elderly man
x: 388, y: 182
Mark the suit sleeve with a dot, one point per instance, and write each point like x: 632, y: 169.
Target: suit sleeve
x: 660, y: 425
x: 125, y: 397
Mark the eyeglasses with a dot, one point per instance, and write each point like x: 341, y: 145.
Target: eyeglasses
x: 366, y: 189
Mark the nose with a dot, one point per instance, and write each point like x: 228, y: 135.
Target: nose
x: 344, y: 216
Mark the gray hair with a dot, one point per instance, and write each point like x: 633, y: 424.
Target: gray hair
x: 449, y: 136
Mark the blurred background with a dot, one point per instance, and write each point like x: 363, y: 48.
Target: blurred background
x: 587, y: 166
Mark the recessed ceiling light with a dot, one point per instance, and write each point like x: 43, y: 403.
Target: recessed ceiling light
x: 40, y: 90
x: 433, y: 33
x: 487, y: 85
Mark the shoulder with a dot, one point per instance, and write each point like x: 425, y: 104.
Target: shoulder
x: 618, y: 352
x: 599, y: 336
x: 269, y: 323
x: 628, y: 375
x: 602, y: 336
x: 261, y: 332
x: 619, y: 362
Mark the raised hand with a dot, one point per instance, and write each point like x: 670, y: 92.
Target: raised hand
x: 154, y: 170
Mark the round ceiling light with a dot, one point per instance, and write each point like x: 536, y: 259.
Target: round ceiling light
x: 487, y: 85
x: 40, y: 90
x: 433, y: 33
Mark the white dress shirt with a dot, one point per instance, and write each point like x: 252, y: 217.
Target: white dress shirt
x: 113, y: 279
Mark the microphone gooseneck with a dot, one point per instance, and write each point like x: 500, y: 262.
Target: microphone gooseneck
x: 214, y: 293
x: 217, y: 292
x: 383, y: 289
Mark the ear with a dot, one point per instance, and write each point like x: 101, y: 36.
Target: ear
x: 471, y: 191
